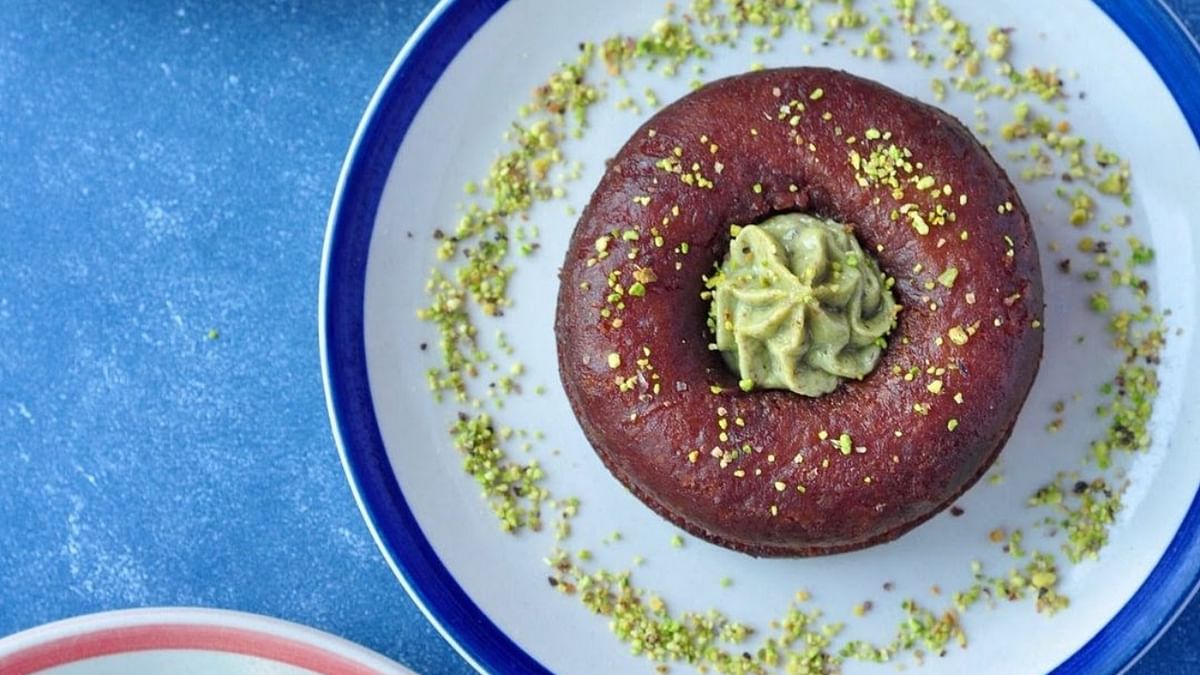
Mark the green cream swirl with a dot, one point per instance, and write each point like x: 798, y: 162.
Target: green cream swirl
x: 797, y: 305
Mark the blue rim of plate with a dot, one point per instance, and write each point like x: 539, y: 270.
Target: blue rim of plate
x: 1153, y: 27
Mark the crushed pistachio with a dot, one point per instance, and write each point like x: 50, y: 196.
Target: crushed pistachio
x: 513, y: 490
x: 845, y: 444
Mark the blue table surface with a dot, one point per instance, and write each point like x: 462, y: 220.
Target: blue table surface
x: 166, y: 170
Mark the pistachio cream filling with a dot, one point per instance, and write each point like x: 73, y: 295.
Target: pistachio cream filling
x: 798, y: 305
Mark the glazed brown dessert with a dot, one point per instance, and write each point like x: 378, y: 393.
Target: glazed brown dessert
x: 772, y: 472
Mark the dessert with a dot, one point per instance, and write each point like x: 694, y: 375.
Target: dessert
x: 695, y: 386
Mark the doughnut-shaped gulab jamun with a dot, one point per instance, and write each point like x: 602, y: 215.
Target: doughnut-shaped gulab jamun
x: 867, y: 456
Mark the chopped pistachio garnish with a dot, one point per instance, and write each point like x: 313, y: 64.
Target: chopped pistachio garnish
x: 845, y: 444
x: 1098, y: 302
x: 513, y: 490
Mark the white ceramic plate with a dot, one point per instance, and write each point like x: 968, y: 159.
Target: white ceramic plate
x: 184, y: 641
x: 436, y: 122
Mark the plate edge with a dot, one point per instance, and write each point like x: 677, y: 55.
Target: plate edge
x: 438, y: 19
x: 1172, y: 51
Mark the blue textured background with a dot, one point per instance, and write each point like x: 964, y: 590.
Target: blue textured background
x: 165, y: 170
